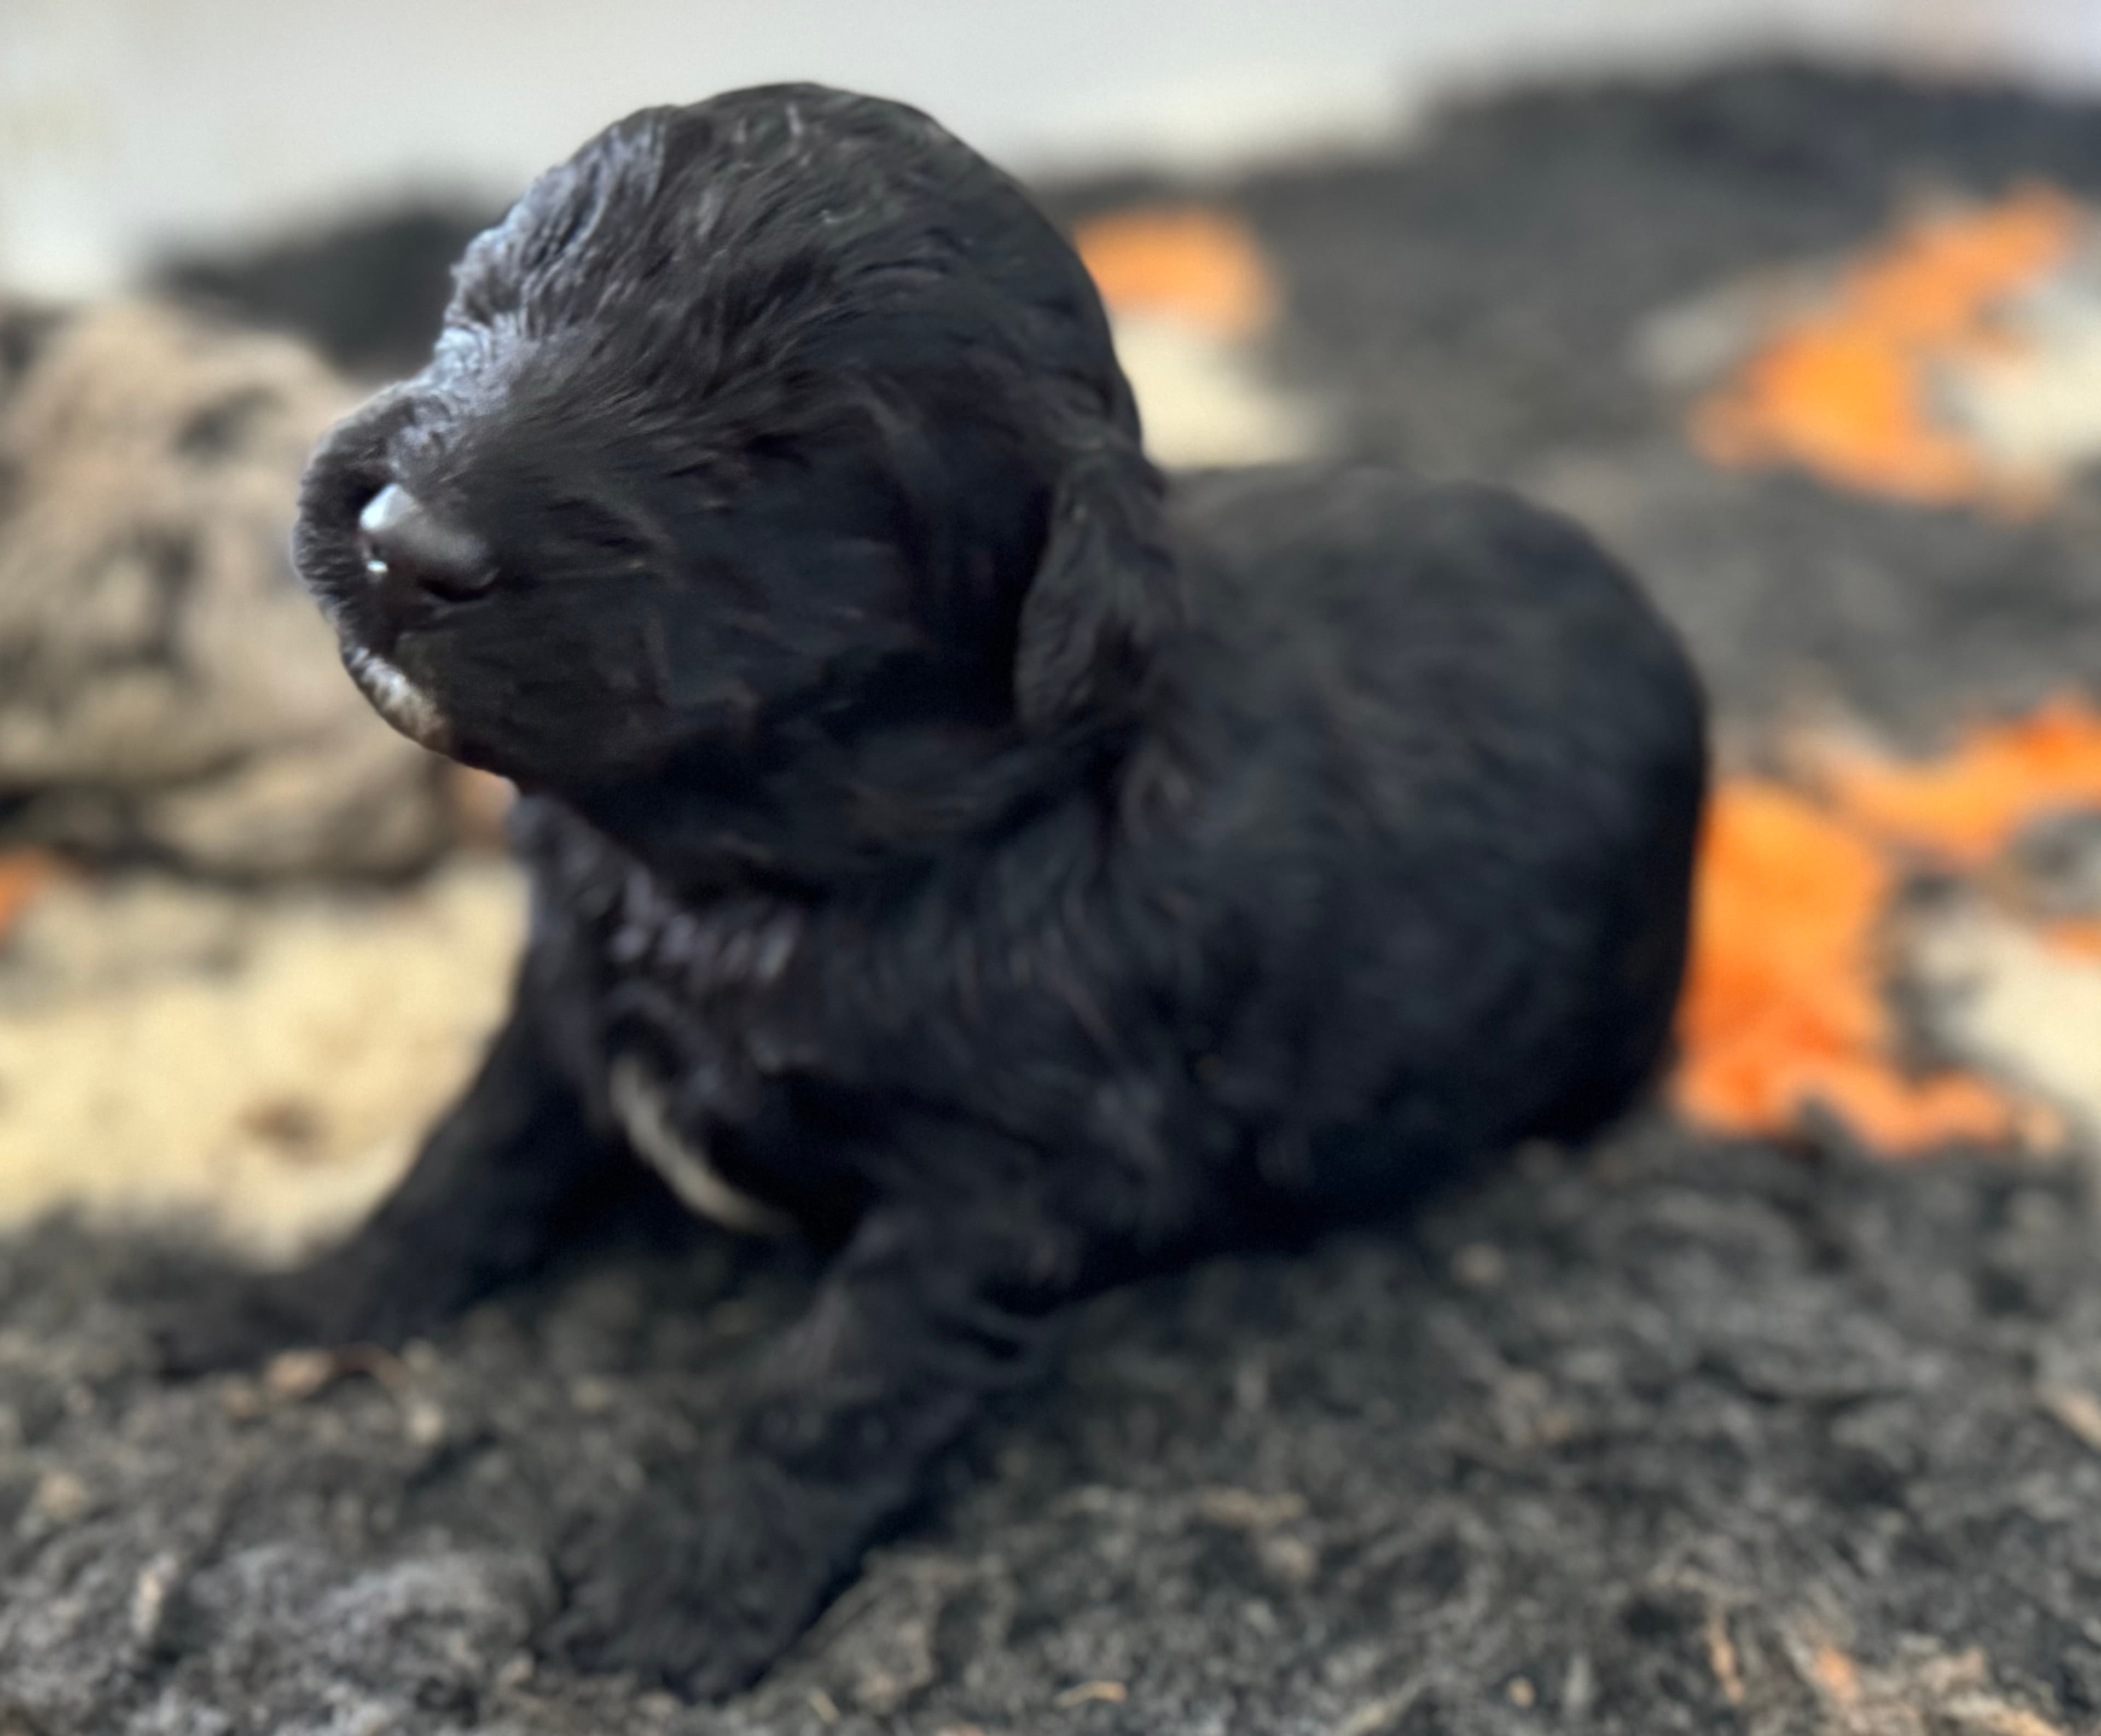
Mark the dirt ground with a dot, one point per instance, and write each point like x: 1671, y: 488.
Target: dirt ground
x: 1673, y: 1435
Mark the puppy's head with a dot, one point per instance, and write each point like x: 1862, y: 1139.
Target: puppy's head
x: 783, y: 406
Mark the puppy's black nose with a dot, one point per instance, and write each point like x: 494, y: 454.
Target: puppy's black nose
x: 408, y: 548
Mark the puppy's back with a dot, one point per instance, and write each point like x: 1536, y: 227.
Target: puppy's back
x: 1493, y: 749
x: 1409, y: 615
x: 1380, y: 580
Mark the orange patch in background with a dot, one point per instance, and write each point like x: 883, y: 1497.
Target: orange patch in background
x: 1199, y: 266
x: 2079, y: 938
x: 1847, y: 391
x: 1967, y: 806
x: 23, y: 874
x: 1783, y: 1006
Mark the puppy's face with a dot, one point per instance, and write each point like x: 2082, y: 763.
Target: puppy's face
x: 550, y: 588
x: 752, y: 411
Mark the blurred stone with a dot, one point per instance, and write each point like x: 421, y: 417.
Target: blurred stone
x: 170, y: 690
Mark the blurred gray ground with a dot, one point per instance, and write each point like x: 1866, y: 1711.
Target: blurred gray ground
x: 1671, y: 1435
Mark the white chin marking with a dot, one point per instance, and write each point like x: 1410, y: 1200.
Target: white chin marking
x: 397, y: 699
x: 637, y: 1100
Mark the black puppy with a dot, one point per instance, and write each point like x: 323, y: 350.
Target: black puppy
x: 945, y: 838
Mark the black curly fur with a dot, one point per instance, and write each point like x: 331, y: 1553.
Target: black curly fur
x: 1021, y: 871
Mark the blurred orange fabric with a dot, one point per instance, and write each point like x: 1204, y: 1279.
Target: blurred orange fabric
x: 22, y: 873
x: 1847, y: 392
x: 1966, y: 806
x: 1200, y: 266
x: 1783, y: 1004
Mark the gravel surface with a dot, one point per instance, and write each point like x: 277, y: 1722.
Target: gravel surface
x: 1674, y: 1436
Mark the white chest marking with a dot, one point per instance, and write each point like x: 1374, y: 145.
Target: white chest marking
x: 637, y: 1100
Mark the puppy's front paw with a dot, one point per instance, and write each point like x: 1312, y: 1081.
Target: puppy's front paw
x: 703, y: 1589
x: 361, y: 1293
x: 233, y: 1322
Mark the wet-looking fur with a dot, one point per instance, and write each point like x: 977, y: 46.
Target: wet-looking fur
x: 1016, y: 871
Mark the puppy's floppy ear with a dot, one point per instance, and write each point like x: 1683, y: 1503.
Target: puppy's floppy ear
x: 1106, y: 589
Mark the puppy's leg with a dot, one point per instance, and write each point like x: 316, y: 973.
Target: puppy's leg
x: 499, y: 1182
x: 927, y: 1311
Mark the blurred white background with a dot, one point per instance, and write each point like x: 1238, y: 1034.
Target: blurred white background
x: 125, y: 125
